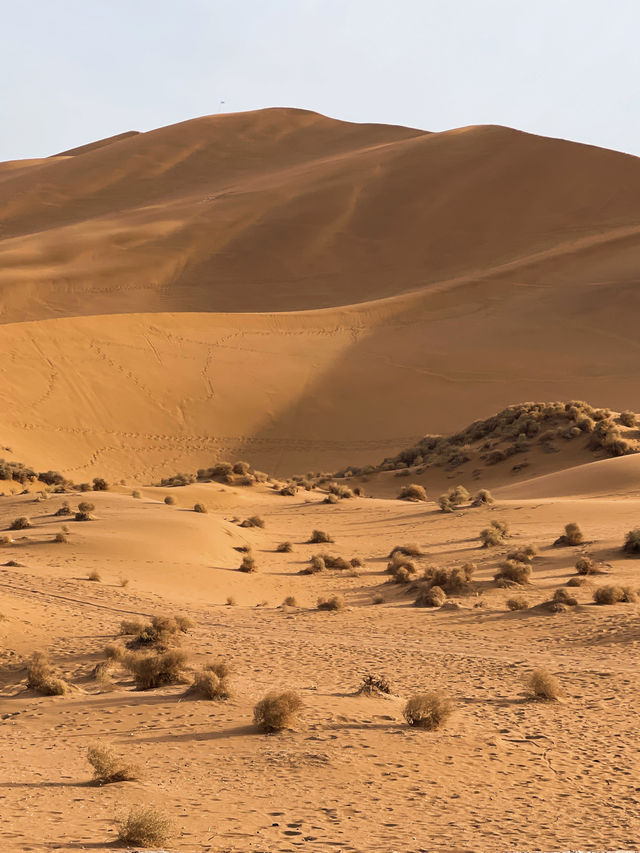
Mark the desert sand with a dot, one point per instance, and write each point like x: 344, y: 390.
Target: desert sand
x: 315, y: 296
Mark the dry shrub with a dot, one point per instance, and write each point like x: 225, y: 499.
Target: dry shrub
x: 455, y: 581
x: 331, y: 499
x: 615, y: 595
x: 86, y: 507
x: 136, y: 494
x: 428, y: 710
x: 514, y: 572
x: 290, y: 601
x: 495, y: 534
x: 169, y: 500
x: 100, y: 484
x: 21, y: 523
x: 209, y: 684
x: 155, y: 670
x: 160, y: 631
x: 373, y: 685
x: 319, y: 537
x: 284, y: 548
x: 524, y: 554
x: 61, y: 537
x: 378, y: 599
x: 114, y: 652
x: 572, y: 535
x: 632, y: 542
x: 541, y: 684
x: 41, y: 677
x: 146, y: 827
x: 94, y: 576
x: 65, y: 509
x: 335, y: 602
x: 316, y: 564
x: 200, y: 508
x: 445, y: 504
x: 248, y: 564
x: 586, y: 566
x: 518, y: 602
x: 131, y: 626
x: 231, y: 602
x: 253, y: 521
x: 564, y: 597
x: 412, y: 492
x: 289, y: 490
x: 628, y: 419
x: 109, y: 766
x: 410, y: 550
x: 277, y: 711
x: 401, y: 568
x: 124, y: 582
x: 432, y: 596
x: 580, y: 581
x: 483, y: 497
x: 332, y: 562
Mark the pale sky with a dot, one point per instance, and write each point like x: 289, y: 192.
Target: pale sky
x: 72, y: 71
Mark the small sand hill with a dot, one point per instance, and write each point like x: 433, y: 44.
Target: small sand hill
x: 305, y: 292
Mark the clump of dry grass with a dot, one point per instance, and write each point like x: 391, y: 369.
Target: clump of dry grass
x: 284, y: 548
x: 331, y: 499
x: 615, y: 595
x: 431, y: 596
x: 402, y: 569
x: 136, y: 494
x: 541, y: 684
x: 373, y: 685
x: 453, y: 498
x: 199, y: 507
x: 319, y: 537
x: 428, y: 710
x: 525, y: 554
x: 410, y: 550
x: 65, y: 509
x: 495, y: 534
x: 518, y: 602
x: 564, y: 597
x: 513, y: 572
x: 413, y: 492
x: 155, y: 670
x: 161, y: 631
x: 231, y: 602
x: 114, y: 652
x: 21, y: 523
x: 146, y: 827
x: 454, y: 581
x: 85, y: 508
x: 628, y: 419
x: 248, y: 564
x: 94, y: 576
x: 335, y: 602
x: 290, y: 601
x: 41, y: 677
x: 316, y: 564
x: 169, y: 500
x: 483, y: 497
x: 572, y: 535
x: 586, y: 566
x: 61, y: 537
x: 632, y: 542
x: 579, y: 581
x: 277, y: 711
x: 253, y: 521
x: 109, y: 766
x: 378, y: 599
x: 211, y: 683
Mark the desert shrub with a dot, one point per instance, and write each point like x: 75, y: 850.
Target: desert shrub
x: 331, y: 499
x: 580, y: 581
x: 401, y: 568
x: 356, y: 562
x: 248, y: 564
x: 84, y: 516
x: 518, y: 602
x: 200, y: 508
x: 445, y: 504
x: 628, y: 419
x: 455, y: 581
x: 86, y: 506
x: 524, y: 554
x: 61, y: 537
x: 411, y: 550
x: 155, y: 670
x: 169, y: 500
x: 412, y: 492
x: 277, y: 711
x: 289, y: 490
x: 458, y: 495
x: 109, y: 766
x: 428, y: 710
x: 373, y: 685
x: 541, y: 684
x: 146, y: 827
x: 432, y: 596
x: 100, y: 485
x: 160, y: 631
x: 178, y: 480
x: 516, y: 573
x: 320, y: 536
x: 565, y: 597
x: 586, y: 566
x: 253, y: 521
x: 332, y: 562
x: 378, y: 599
x: 484, y: 496
x: 230, y: 602
x: 21, y: 523
x: 136, y: 494
x: 131, y: 626
x: 65, y: 509
x: 241, y: 467
x: 340, y: 491
x: 41, y: 677
x: 572, y: 535
x: 94, y: 576
x: 209, y: 684
x: 124, y: 582
x: 290, y: 601
x: 284, y: 548
x: 114, y: 652
x: 614, y: 595
x: 632, y: 542
x: 495, y: 534
x: 335, y: 602
x: 316, y: 564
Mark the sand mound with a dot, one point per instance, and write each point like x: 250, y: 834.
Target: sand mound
x: 596, y: 479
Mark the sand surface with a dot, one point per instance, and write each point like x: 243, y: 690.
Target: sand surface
x: 310, y: 294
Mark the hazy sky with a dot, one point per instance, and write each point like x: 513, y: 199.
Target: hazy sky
x: 76, y: 70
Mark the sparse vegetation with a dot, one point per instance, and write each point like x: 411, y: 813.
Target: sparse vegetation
x: 495, y: 534
x: 615, y: 595
x: 290, y: 601
x: 248, y: 564
x: 94, y: 576
x: 518, y: 602
x: 65, y: 509
x: 572, y: 535
x: 169, y: 500
x: 61, y: 537
x: 632, y: 542
x: 253, y: 521
x: 109, y: 766
x: 413, y: 492
x: 100, y: 484
x: 512, y: 572
x: 200, y: 508
x: 628, y: 419
x: 319, y: 537
x: 431, y: 596
x: 482, y: 498
x: 41, y: 677
x: 277, y: 711
x: 428, y: 710
x: 335, y: 602
x: 145, y: 826
x: 586, y: 566
x: 373, y: 685
x: 284, y: 548
x: 155, y: 670
x: 136, y: 494
x: 211, y: 682
x: 541, y: 684
x: 410, y: 550
x: 21, y: 523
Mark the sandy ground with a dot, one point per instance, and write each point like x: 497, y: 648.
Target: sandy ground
x: 506, y: 773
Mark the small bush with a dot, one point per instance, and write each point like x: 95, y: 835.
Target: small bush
x: 230, y: 602
x: 484, y: 496
x: 628, y: 419
x: 378, y: 599
x: 581, y: 581
x: 320, y: 536
x: 131, y: 626
x: 517, y: 573
x: 565, y: 597
x: 86, y: 506
x: 209, y: 684
x: 284, y: 548
x: 151, y: 671
x: 100, y: 485
x: 21, y: 523
x: 169, y: 500
x: 200, y: 508
x: 41, y: 677
x: 277, y: 711
x: 331, y: 499
x: 146, y: 827
x: 412, y: 492
x: 541, y: 684
x: 290, y: 601
x: 61, y: 537
x: 518, y: 602
x: 494, y: 535
x: 136, y: 494
x: 411, y: 550
x: 615, y: 595
x: 336, y: 602
x: 632, y: 542
x: 586, y: 566
x: 316, y: 564
x: 432, y: 596
x: 124, y: 582
x: 65, y: 509
x: 289, y: 490
x: 248, y: 564
x: 373, y: 685
x: 428, y: 710
x: 109, y: 766
x: 94, y: 576
x: 572, y: 535
x: 524, y: 554
x: 114, y: 652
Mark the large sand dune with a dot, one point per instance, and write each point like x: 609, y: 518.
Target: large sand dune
x: 279, y: 281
